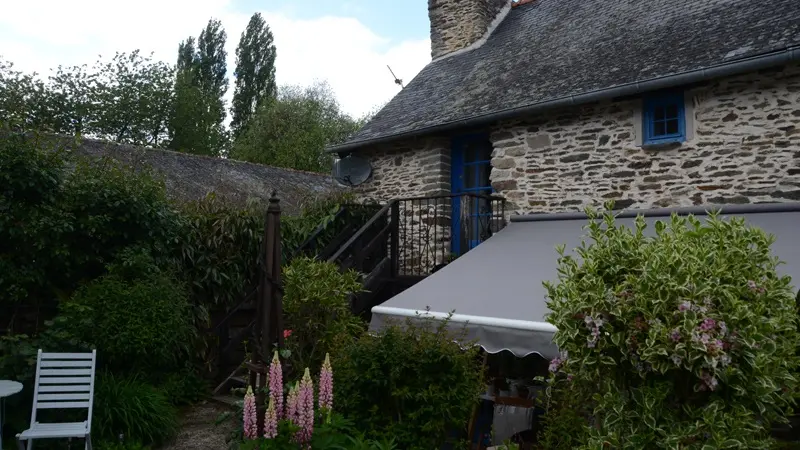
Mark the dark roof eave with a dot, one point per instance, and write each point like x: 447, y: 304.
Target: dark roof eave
x: 759, y: 62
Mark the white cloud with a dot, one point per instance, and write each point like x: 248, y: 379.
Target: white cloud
x: 41, y: 34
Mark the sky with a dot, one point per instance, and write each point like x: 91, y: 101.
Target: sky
x: 347, y: 43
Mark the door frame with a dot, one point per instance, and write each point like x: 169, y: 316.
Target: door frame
x: 457, y: 166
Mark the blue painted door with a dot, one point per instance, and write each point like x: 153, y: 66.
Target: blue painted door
x: 471, y: 166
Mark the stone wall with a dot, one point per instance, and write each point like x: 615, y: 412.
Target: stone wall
x: 456, y: 24
x: 407, y: 170
x: 745, y: 149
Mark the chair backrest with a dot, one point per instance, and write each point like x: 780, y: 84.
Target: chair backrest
x: 64, y: 380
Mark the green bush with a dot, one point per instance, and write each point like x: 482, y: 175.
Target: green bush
x: 115, y: 207
x: 412, y: 383
x: 220, y: 249
x: 184, y: 386
x: 563, y: 426
x: 32, y: 224
x: 127, y: 406
x: 683, y: 340
x: 63, y: 219
x: 141, y: 324
x: 316, y: 307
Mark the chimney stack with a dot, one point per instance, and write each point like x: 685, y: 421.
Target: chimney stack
x: 456, y: 24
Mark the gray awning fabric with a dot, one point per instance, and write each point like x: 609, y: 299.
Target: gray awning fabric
x: 496, y: 289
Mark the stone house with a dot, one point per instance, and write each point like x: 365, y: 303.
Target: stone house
x: 556, y: 105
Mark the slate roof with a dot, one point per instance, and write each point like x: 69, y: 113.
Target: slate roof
x: 550, y: 49
x: 191, y: 177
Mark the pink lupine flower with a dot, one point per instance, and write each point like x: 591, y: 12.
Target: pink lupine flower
x: 305, y: 408
x: 326, y: 385
x: 271, y: 421
x: 276, y: 384
x: 250, y: 419
x: 291, y: 405
x: 685, y: 306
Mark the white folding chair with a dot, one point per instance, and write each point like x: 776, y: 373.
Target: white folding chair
x: 63, y: 381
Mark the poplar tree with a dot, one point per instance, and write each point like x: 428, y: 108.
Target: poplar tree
x: 255, y: 72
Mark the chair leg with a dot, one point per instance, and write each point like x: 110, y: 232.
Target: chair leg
x: 88, y: 442
x: 20, y: 445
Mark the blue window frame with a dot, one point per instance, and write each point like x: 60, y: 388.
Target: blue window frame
x: 664, y: 118
x: 471, y: 165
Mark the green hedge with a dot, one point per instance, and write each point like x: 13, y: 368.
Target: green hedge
x: 411, y: 383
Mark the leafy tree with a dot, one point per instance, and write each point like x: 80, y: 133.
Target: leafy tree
x: 196, y: 124
x: 134, y: 95
x: 212, y: 75
x: 187, y: 55
x: 25, y: 101
x: 294, y: 130
x: 72, y: 99
x: 255, y: 72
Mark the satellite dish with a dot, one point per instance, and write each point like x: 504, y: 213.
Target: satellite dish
x: 351, y: 170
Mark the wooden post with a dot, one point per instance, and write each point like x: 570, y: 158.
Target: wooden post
x: 275, y: 323
x: 269, y: 306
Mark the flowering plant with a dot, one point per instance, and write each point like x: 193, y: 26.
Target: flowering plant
x: 681, y: 340
x: 292, y: 428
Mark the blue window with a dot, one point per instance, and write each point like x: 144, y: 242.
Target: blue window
x: 664, y: 118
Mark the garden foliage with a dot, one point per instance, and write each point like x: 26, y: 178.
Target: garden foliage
x: 316, y: 307
x: 411, y: 383
x: 93, y: 255
x: 683, y: 339
x: 128, y: 406
x: 141, y: 324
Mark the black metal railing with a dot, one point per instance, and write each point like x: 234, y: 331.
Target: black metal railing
x: 432, y: 231
x: 421, y: 234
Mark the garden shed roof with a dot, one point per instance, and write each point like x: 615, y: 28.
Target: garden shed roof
x: 496, y: 289
x: 557, y: 52
x: 191, y: 177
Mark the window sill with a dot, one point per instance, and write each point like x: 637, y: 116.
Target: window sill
x: 663, y: 145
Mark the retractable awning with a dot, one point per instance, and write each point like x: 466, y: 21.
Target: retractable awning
x: 496, y: 291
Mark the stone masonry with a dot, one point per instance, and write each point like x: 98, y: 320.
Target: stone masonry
x: 745, y: 149
x: 408, y: 169
x: 456, y: 24
x: 415, y: 169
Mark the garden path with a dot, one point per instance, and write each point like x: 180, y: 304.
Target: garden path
x: 199, y: 431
